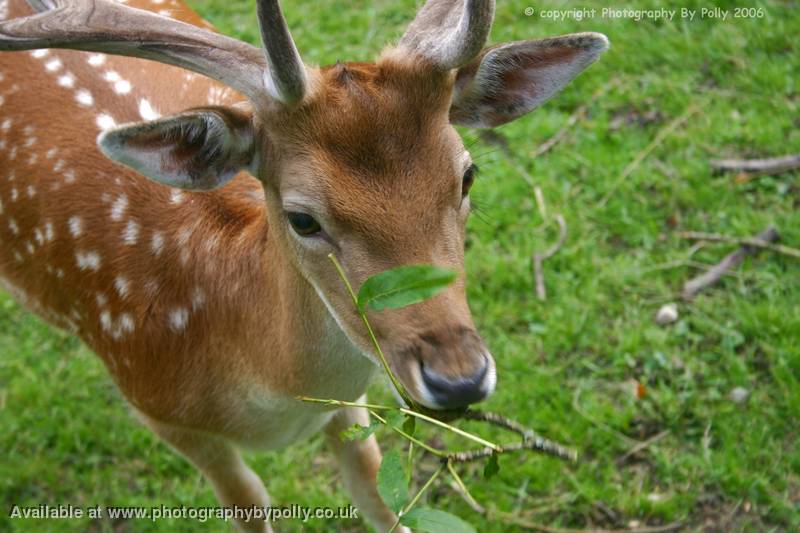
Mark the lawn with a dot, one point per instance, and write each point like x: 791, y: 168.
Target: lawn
x: 649, y: 408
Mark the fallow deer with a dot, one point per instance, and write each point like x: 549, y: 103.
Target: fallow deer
x: 214, y: 309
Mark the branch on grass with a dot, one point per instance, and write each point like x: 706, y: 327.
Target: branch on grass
x: 750, y: 242
x: 747, y: 246
x: 642, y: 445
x: 539, y: 258
x: 767, y: 167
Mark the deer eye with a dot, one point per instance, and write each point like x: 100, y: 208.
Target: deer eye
x: 468, y: 179
x: 303, y: 224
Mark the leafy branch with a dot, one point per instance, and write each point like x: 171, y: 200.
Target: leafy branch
x: 394, y: 289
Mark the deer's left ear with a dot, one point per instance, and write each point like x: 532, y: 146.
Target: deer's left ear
x: 509, y: 80
x: 199, y: 149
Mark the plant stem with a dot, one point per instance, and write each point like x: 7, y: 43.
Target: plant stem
x: 412, y: 440
x: 343, y: 403
x: 454, y: 429
x: 460, y: 482
x: 419, y: 494
x: 397, y: 385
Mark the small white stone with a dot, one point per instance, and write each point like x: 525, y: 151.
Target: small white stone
x: 667, y: 314
x: 739, y: 395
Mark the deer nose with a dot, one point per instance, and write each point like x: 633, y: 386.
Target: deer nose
x: 452, y: 393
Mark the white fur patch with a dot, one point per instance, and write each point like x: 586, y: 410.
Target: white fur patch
x: 75, y: 226
x: 88, y: 260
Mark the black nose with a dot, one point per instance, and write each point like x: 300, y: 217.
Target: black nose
x: 451, y: 393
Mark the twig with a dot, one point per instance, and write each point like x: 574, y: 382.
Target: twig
x: 692, y: 287
x: 642, y: 445
x: 770, y: 166
x: 657, y: 140
x: 499, y: 420
x: 751, y: 242
x: 460, y: 487
x: 539, y: 258
x: 573, y: 119
x: 536, y: 443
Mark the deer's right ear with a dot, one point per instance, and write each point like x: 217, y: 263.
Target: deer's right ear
x: 199, y: 149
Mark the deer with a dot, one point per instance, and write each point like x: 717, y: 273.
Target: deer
x: 170, y: 195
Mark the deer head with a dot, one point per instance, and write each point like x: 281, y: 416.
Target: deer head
x: 356, y: 159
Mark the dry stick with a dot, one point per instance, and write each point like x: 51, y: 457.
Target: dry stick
x: 657, y: 140
x: 642, y: 445
x: 771, y: 166
x: 539, y: 258
x: 692, y: 287
x: 754, y: 242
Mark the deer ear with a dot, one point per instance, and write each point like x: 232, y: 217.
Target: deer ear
x: 510, y: 80
x: 199, y: 149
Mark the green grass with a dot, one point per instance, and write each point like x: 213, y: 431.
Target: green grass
x: 565, y: 365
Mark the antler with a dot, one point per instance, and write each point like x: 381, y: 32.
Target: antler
x: 105, y: 26
x: 450, y: 33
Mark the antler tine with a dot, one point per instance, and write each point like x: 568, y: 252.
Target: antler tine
x: 105, y: 26
x: 285, y: 77
x: 450, y: 33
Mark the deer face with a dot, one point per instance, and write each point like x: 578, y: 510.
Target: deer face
x: 359, y: 160
x: 371, y: 170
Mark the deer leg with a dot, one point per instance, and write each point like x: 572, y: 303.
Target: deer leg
x: 359, y: 461
x: 221, y: 463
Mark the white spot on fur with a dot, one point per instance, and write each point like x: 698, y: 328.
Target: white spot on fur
x: 198, y: 298
x: 49, y: 234
x: 53, y: 65
x: 157, y: 243
x: 105, y: 321
x: 179, y: 318
x: 131, y: 233
x: 29, y: 247
x: 38, y: 54
x: 96, y: 59
x: 12, y: 225
x: 102, y: 299
x: 112, y: 76
x: 105, y: 122
x: 88, y: 260
x: 14, y: 194
x: 126, y: 324
x: 51, y: 153
x: 119, y: 207
x: 84, y: 97
x: 176, y: 196
x: 122, y: 285
x: 59, y: 165
x: 67, y: 80
x: 39, y: 236
x: 146, y: 110
x: 31, y: 190
x: 122, y: 87
x: 75, y: 226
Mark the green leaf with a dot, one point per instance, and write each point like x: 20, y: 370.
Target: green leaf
x: 492, y: 467
x: 392, y: 484
x: 402, y: 286
x: 394, y: 418
x: 359, y: 432
x: 433, y: 521
x: 410, y: 425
